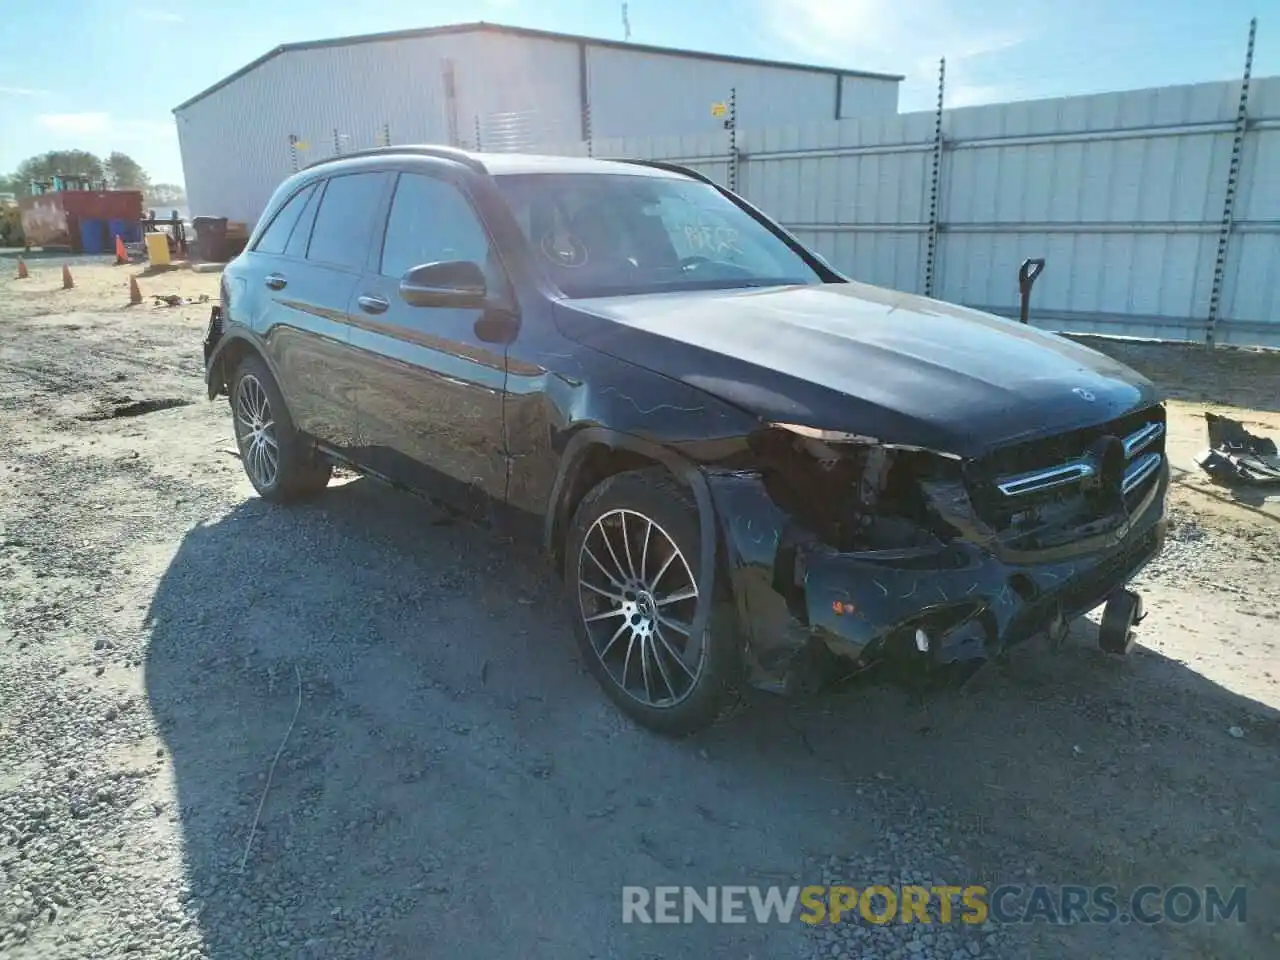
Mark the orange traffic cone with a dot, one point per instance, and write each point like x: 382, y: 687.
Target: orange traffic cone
x: 135, y: 295
x: 22, y: 269
x: 122, y: 255
x: 67, y: 282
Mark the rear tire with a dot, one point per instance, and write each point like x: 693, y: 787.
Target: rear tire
x: 278, y: 460
x: 632, y: 559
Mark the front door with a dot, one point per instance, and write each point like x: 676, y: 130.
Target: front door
x: 431, y: 393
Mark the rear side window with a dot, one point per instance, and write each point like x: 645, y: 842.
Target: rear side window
x: 297, y: 246
x: 276, y: 236
x: 344, y: 223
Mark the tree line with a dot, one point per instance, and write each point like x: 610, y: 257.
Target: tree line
x: 118, y: 170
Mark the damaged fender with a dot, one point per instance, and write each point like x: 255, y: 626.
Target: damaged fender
x: 572, y: 460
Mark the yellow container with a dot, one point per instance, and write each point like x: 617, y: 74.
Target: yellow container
x: 158, y: 249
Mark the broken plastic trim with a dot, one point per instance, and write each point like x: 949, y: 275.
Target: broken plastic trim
x: 851, y: 491
x: 840, y: 436
x: 1236, y: 455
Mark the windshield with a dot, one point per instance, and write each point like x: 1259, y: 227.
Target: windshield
x: 616, y: 234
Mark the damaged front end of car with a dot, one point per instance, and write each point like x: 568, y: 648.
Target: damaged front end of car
x: 849, y: 547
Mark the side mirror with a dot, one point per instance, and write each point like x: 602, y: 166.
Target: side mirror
x: 448, y: 283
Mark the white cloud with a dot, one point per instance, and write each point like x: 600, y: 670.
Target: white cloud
x: 156, y: 15
x: 893, y: 36
x: 22, y: 92
x: 76, y: 123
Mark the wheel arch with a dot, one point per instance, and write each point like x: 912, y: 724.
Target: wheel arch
x: 232, y: 348
x: 623, y: 452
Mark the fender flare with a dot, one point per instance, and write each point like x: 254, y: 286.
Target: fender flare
x: 571, y: 462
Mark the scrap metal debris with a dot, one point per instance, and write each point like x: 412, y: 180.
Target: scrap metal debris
x: 173, y: 300
x: 1237, y: 455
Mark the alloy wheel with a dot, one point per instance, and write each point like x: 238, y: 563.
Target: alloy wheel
x: 637, y: 596
x: 256, y: 431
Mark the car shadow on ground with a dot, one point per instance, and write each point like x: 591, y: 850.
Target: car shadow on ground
x: 384, y: 746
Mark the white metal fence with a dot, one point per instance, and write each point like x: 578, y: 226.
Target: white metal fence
x: 1123, y: 194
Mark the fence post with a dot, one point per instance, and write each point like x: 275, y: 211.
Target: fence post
x: 1229, y: 200
x: 732, y: 124
x: 931, y: 249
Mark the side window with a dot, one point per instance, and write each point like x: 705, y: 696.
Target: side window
x: 297, y: 246
x: 430, y: 221
x: 344, y: 223
x: 276, y: 235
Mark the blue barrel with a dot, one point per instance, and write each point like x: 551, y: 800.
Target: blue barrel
x: 127, y: 230
x: 92, y: 235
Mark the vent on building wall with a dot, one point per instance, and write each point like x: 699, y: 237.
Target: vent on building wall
x: 517, y: 131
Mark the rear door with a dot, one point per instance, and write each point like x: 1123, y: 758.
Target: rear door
x: 311, y: 283
x: 431, y: 392
x: 258, y: 283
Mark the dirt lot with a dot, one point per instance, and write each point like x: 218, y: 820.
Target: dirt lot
x: 355, y: 729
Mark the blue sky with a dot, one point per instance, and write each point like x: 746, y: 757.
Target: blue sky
x: 105, y: 74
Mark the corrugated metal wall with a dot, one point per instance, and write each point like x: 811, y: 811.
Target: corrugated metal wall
x: 639, y: 92
x: 235, y: 142
x: 1122, y: 194
x: 510, y: 92
x: 1253, y: 259
x: 865, y: 97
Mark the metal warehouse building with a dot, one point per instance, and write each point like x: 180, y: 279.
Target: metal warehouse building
x: 507, y: 88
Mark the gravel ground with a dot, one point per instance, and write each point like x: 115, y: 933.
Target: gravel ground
x: 355, y: 729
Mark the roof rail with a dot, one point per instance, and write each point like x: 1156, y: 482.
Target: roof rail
x: 665, y: 165
x: 420, y: 150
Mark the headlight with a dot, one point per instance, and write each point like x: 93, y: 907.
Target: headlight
x: 854, y: 491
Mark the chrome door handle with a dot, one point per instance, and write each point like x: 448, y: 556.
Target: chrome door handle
x: 275, y: 281
x: 373, y: 304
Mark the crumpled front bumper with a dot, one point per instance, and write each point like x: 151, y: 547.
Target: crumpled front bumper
x: 791, y: 589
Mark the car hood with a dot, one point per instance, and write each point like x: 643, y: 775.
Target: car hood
x: 853, y: 357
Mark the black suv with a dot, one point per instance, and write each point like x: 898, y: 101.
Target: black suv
x: 746, y: 465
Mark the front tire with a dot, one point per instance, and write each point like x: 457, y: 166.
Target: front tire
x: 278, y: 461
x: 631, y: 568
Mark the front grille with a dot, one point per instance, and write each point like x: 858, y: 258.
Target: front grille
x: 1070, y: 479
x: 1061, y: 447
